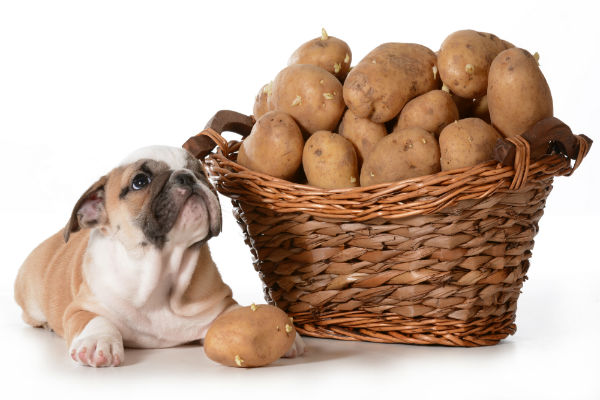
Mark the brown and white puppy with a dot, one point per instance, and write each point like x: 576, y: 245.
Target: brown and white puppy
x: 132, y: 267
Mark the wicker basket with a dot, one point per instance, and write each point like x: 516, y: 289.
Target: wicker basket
x: 438, y: 259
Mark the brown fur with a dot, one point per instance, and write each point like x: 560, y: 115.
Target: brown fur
x: 51, y: 281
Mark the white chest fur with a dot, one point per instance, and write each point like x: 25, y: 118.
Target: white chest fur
x: 156, y: 298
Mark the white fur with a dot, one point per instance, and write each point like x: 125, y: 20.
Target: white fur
x: 98, y: 345
x: 142, y: 292
x: 175, y: 157
x: 298, y: 348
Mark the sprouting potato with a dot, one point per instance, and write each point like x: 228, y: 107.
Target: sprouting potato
x: 327, y: 52
x: 311, y: 95
x: 518, y: 94
x: 261, y: 101
x: 464, y: 61
x: 467, y: 142
x: 251, y: 336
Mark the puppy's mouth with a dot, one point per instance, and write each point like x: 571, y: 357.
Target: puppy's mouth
x: 197, y: 205
x: 187, y: 209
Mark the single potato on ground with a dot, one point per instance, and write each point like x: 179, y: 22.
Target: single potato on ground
x: 251, y: 336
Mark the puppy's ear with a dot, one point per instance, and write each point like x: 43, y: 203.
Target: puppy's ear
x: 89, y: 211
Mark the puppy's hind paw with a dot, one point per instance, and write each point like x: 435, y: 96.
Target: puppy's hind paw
x: 298, y: 348
x: 98, y: 345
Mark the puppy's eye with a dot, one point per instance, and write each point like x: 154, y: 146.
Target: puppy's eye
x: 140, y: 181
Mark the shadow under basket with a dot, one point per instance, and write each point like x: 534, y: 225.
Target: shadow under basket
x: 438, y: 259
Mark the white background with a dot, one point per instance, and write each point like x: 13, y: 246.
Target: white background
x: 84, y: 83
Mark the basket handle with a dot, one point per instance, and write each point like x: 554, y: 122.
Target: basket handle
x: 225, y: 120
x: 547, y: 136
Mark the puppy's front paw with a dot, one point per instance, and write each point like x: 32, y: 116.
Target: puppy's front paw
x: 99, y: 345
x: 297, y: 349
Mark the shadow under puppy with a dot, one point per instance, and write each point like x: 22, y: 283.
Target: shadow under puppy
x: 142, y: 274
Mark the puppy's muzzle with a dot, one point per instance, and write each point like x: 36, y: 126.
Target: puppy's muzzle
x: 184, y: 180
x: 173, y: 190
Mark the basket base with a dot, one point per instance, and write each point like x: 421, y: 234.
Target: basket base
x: 392, y: 328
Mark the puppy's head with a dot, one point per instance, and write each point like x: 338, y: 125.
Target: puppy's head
x: 158, y: 195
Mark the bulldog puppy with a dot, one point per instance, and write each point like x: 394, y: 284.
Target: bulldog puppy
x: 132, y: 267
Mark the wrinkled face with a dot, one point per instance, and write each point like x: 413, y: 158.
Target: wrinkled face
x: 161, y: 196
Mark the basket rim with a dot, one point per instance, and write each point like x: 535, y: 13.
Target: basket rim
x: 515, y: 167
x: 415, y: 196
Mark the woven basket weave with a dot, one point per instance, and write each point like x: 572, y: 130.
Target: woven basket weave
x: 438, y: 259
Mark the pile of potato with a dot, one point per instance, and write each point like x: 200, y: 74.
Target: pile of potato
x: 403, y: 111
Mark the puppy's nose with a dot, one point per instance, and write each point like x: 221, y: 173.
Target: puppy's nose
x: 184, y: 179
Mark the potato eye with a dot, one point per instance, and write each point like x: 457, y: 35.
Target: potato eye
x: 140, y: 181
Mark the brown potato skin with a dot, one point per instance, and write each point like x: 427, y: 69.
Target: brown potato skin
x: 315, y: 111
x: 467, y: 142
x: 274, y: 146
x: 518, y: 94
x: 325, y: 54
x: 507, y: 44
x: 257, y: 336
x: 393, y: 73
x: 261, y: 101
x: 362, y: 132
x: 330, y: 161
x: 468, y: 47
x: 404, y: 154
x: 431, y: 111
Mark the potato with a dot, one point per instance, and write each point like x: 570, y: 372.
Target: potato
x: 329, y: 161
x: 311, y: 95
x: 327, y: 52
x: 518, y: 94
x: 464, y: 60
x: 362, y: 132
x: 467, y: 142
x: 389, y: 76
x: 404, y: 154
x: 261, y: 101
x: 274, y: 146
x: 507, y: 45
x: 249, y: 336
x: 431, y: 111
